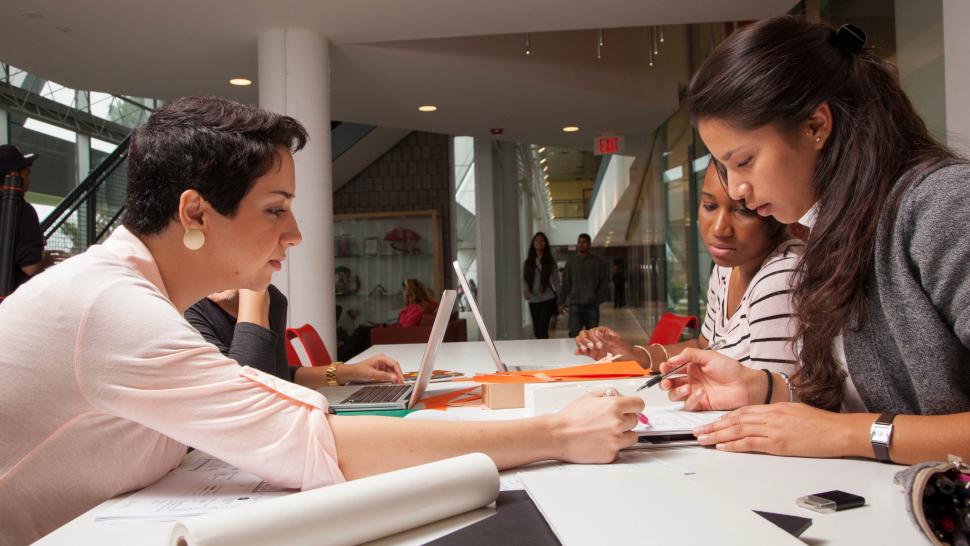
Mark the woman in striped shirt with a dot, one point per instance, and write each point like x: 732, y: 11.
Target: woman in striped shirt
x: 749, y: 297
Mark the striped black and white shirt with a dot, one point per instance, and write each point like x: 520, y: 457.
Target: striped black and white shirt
x: 759, y: 332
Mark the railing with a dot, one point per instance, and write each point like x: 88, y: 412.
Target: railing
x: 91, y: 211
x: 570, y: 208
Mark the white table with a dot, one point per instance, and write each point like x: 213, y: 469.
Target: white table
x: 757, y: 482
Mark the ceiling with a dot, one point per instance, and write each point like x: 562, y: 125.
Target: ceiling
x: 389, y: 56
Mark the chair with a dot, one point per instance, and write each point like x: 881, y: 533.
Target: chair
x: 670, y: 327
x: 395, y: 333
x: 315, y: 349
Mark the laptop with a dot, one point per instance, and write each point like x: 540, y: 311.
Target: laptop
x: 492, y: 350
x: 397, y: 397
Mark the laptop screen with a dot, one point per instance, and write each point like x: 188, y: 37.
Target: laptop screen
x: 492, y: 350
x: 441, y: 319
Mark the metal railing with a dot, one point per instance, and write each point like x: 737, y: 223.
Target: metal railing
x: 92, y: 210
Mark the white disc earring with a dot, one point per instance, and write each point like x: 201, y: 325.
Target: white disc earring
x: 193, y: 239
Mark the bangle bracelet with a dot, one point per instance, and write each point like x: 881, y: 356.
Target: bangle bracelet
x: 791, y: 388
x: 771, y: 385
x: 644, y: 349
x: 664, y: 349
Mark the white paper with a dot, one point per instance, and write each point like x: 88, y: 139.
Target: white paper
x: 199, y: 485
x: 675, y: 422
x: 630, y: 504
x: 352, y: 512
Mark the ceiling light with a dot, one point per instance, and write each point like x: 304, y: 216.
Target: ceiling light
x: 546, y: 176
x: 427, y: 108
x: 570, y: 129
x: 528, y: 43
x: 242, y: 82
x: 542, y: 161
x: 661, y: 34
x: 540, y: 150
x: 545, y: 168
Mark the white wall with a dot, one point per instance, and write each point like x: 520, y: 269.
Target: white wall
x: 956, y: 45
x: 565, y: 232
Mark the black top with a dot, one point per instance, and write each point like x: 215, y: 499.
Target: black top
x: 28, y: 244
x: 247, y: 343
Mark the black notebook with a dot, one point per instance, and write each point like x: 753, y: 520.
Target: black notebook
x: 516, y: 521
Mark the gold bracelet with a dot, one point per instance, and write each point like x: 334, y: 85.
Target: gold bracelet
x: 332, y: 373
x: 664, y: 349
x: 644, y: 349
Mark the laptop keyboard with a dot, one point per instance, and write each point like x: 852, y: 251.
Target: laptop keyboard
x: 376, y: 394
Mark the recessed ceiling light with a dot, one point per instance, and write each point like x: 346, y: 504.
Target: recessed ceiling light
x: 427, y: 108
x: 570, y: 129
x: 542, y: 161
x: 542, y: 149
x: 242, y: 82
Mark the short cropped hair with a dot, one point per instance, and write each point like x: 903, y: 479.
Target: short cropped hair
x: 585, y: 236
x: 215, y: 146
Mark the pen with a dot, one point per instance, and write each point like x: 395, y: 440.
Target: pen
x: 657, y: 379
x: 641, y: 418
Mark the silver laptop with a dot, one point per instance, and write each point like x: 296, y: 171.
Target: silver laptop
x: 397, y: 397
x: 492, y: 349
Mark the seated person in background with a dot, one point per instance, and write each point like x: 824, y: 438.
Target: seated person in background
x: 250, y: 327
x: 418, y: 302
x: 749, y: 310
x: 126, y: 383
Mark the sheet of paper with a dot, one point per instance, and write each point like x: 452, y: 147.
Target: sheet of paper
x: 201, y: 484
x: 674, y: 422
x: 629, y: 499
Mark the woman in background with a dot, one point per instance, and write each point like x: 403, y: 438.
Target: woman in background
x: 417, y: 303
x: 540, y: 284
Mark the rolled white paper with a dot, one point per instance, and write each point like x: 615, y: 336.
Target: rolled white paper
x: 352, y: 512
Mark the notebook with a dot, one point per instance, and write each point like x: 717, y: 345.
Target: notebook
x: 492, y: 350
x: 397, y: 397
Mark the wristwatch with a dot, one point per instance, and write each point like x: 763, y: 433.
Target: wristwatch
x: 332, y: 374
x: 880, y: 436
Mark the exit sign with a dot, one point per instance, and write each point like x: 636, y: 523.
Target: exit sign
x: 610, y: 144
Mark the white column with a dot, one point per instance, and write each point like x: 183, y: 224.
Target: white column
x: 485, y: 220
x: 496, y: 209
x: 956, y: 55
x: 294, y: 79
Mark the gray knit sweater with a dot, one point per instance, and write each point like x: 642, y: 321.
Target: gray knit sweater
x: 912, y: 354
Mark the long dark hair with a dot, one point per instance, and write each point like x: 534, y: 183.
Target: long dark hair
x: 779, y: 71
x: 547, y: 265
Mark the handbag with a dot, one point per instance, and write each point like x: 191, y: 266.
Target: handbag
x: 938, y: 499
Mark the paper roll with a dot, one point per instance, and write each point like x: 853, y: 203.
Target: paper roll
x: 352, y: 512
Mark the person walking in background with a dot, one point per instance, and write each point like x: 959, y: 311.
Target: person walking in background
x: 541, y: 284
x: 619, y: 286
x: 586, y: 284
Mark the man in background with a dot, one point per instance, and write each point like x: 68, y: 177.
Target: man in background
x: 585, y: 284
x: 30, y: 258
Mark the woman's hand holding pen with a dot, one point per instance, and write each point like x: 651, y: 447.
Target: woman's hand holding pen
x: 713, y: 381
x: 594, y: 428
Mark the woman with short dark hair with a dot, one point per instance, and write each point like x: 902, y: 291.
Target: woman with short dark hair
x: 808, y: 126
x: 124, y: 383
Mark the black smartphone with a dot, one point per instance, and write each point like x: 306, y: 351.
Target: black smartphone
x: 830, y: 501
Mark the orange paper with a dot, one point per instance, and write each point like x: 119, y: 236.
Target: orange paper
x: 586, y: 372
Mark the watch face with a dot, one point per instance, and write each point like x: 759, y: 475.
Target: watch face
x: 881, y: 433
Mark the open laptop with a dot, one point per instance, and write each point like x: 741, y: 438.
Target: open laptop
x: 397, y: 397
x: 492, y: 350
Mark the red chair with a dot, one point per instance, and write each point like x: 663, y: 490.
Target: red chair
x: 312, y: 344
x: 670, y: 327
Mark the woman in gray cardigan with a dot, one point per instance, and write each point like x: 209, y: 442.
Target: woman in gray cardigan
x: 809, y: 127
